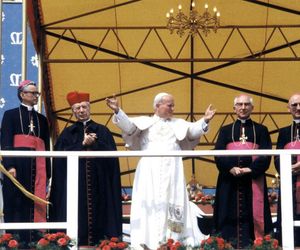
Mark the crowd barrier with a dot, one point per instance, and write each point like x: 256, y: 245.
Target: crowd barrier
x: 72, y: 179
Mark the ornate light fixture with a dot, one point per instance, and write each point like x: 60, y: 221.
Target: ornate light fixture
x: 194, y: 22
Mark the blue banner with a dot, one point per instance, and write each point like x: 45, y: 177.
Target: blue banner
x: 11, y: 57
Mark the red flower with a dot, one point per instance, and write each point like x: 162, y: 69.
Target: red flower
x: 202, y: 243
x: 220, y: 240
x: 67, y: 238
x: 43, y: 242
x: 62, y: 242
x: 103, y: 243
x: 114, y: 239
x: 6, y: 237
x: 267, y: 237
x: 258, y: 241
x: 209, y: 240
x: 13, y: 244
x: 60, y: 234
x: 112, y: 244
x: 46, y: 236
x: 178, y: 244
x: 170, y: 241
x: 51, y: 237
x: 121, y: 245
x: 106, y: 247
x: 275, y: 243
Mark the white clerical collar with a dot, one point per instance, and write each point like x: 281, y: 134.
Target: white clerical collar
x: 242, y: 120
x: 297, y: 121
x: 85, y: 122
x: 29, y: 108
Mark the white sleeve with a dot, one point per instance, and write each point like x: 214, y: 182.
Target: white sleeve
x: 124, y: 123
x: 197, y: 129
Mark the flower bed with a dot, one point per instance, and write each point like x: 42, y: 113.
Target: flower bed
x: 113, y: 244
x: 61, y: 241
x: 266, y: 243
x: 55, y: 241
x: 9, y: 241
x: 215, y: 242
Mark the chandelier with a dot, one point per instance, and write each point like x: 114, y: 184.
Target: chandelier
x: 194, y: 22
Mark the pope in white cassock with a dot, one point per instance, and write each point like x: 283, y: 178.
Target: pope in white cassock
x: 160, y: 206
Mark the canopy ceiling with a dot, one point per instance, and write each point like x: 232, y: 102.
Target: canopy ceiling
x: 122, y: 47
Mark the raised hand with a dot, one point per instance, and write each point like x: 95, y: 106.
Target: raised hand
x: 209, y: 113
x: 113, y: 103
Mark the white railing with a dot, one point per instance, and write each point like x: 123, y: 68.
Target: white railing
x: 72, y: 179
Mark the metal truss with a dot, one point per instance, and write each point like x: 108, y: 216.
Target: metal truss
x: 61, y: 34
x: 274, y: 6
x: 70, y: 34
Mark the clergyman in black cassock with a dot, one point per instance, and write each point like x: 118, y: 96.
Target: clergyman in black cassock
x: 25, y: 129
x: 289, y: 138
x: 99, y: 201
x: 241, y: 211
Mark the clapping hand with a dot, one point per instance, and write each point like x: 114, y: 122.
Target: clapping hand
x: 237, y: 171
x: 296, y: 168
x: 89, y: 139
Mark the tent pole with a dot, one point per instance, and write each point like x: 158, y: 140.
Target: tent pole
x: 0, y: 42
x: 40, y: 81
x: 24, y: 42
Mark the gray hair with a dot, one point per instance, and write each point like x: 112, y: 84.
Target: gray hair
x: 158, y: 98
x: 237, y: 97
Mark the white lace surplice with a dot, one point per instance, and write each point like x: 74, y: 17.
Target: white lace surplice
x: 160, y: 207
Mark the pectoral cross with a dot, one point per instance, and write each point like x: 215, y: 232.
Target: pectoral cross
x: 31, y: 127
x: 243, y: 138
x: 297, y: 134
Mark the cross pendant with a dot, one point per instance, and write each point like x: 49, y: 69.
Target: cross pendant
x: 243, y: 138
x: 31, y: 126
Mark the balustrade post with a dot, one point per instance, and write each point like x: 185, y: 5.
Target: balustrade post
x: 72, y: 197
x: 286, y: 202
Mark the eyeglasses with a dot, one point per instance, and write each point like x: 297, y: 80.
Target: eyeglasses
x: 34, y: 93
x: 240, y: 104
x: 295, y: 105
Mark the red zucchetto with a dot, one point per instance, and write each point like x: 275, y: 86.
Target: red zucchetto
x: 76, y: 97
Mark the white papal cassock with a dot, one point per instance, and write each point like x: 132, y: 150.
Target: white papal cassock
x: 160, y: 207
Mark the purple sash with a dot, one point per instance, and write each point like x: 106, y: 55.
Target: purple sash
x: 296, y: 145
x: 257, y: 190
